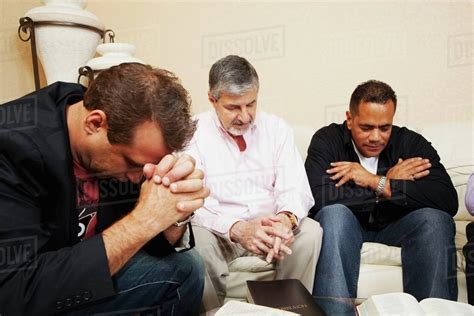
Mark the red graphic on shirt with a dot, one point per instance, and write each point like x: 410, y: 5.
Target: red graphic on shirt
x: 87, y: 189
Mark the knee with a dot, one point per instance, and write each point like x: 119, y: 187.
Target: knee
x: 435, y: 224
x: 335, y: 217
x: 191, y: 270
x: 194, y: 264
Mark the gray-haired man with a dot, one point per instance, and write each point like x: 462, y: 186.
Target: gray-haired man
x: 260, y: 194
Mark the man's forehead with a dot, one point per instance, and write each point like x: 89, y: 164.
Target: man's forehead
x: 148, y: 144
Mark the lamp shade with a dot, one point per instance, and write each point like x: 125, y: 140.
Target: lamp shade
x: 62, y: 49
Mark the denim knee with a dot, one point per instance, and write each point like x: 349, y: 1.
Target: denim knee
x: 436, y: 225
x: 336, y: 215
x: 192, y: 286
x: 192, y: 262
x: 338, y: 222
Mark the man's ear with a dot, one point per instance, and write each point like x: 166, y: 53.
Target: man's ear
x: 95, y: 121
x: 211, y: 98
x: 349, y: 119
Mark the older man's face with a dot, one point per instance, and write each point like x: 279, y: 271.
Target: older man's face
x: 236, y: 112
x: 371, y: 127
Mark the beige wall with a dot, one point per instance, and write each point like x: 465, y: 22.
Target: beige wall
x: 310, y: 55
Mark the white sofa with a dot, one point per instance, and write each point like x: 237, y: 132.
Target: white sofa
x: 381, y: 270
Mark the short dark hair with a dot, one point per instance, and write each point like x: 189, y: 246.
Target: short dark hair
x: 372, y: 91
x: 132, y: 93
x: 233, y: 74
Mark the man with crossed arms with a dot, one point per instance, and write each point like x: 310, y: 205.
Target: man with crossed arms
x: 373, y: 181
x: 260, y: 194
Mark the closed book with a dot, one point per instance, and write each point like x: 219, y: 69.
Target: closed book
x: 289, y: 295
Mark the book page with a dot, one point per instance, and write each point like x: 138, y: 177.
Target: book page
x: 390, y: 304
x: 438, y: 306
x: 236, y: 308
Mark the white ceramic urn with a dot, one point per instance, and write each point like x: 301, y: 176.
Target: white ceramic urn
x: 113, y: 54
x: 63, y: 49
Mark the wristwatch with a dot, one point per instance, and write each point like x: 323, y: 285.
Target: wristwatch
x: 380, y: 187
x: 293, y: 219
x: 187, y: 220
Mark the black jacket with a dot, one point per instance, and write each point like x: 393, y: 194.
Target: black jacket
x: 333, y: 143
x: 44, y: 269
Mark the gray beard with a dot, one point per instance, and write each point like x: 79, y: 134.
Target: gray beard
x: 237, y: 131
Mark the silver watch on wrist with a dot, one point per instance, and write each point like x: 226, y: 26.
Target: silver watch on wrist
x: 380, y: 187
x: 187, y: 220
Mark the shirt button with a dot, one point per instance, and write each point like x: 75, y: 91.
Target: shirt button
x: 59, y: 305
x: 86, y: 295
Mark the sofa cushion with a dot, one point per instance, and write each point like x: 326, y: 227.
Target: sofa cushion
x: 380, y: 254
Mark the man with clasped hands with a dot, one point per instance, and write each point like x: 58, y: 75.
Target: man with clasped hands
x: 88, y: 186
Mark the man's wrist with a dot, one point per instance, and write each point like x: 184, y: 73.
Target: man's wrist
x: 292, y: 219
x: 146, y: 229
x: 234, y: 231
x: 380, y: 189
x: 374, y: 183
x: 184, y: 221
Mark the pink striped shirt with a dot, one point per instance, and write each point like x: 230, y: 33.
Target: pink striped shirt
x: 267, y: 178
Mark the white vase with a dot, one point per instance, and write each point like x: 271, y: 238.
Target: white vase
x: 113, y: 54
x: 63, y: 49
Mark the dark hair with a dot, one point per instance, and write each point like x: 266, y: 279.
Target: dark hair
x: 372, y: 91
x: 132, y: 93
x: 233, y: 74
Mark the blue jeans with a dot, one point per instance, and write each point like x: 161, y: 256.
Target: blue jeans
x: 170, y: 285
x: 428, y: 253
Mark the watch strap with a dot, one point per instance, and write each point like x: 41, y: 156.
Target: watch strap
x: 381, y: 186
x: 184, y: 222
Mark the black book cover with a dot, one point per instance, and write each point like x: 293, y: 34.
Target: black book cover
x: 289, y: 295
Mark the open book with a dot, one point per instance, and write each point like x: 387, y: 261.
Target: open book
x: 406, y: 304
x: 236, y: 308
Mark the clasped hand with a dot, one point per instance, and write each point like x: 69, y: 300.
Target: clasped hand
x: 172, y: 190
x: 268, y: 236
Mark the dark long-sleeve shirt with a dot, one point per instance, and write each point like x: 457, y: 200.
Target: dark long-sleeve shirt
x: 333, y: 143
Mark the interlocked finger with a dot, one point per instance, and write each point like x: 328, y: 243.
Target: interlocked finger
x: 190, y: 206
x: 180, y: 171
x: 185, y: 186
x: 262, y: 235
x: 272, y: 231
x: 261, y: 246
x: 165, y: 165
x: 196, y: 174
